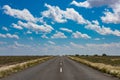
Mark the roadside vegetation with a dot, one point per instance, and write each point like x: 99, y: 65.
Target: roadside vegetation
x: 8, y: 60
x: 104, y: 63
x: 19, y: 63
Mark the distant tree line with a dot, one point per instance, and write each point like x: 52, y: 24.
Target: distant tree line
x: 93, y: 55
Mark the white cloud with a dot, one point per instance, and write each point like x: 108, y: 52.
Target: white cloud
x: 72, y: 48
x: 81, y: 4
x: 108, y: 48
x: 55, y: 13
x: 51, y: 42
x: 59, y: 35
x: 93, y: 3
x: 5, y: 28
x: 109, y: 17
x: 20, y: 14
x: 8, y: 35
x: 29, y: 32
x: 66, y: 30
x: 112, y: 17
x: 17, y: 26
x: 62, y: 16
x: 80, y: 35
x: 101, y: 30
x: 42, y: 28
x: 18, y: 45
x: 74, y: 15
x: 12, y: 36
x: 2, y: 35
x: 44, y: 36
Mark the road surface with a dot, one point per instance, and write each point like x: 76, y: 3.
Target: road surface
x: 60, y: 68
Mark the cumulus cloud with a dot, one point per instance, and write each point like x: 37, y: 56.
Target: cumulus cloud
x: 109, y: 17
x: 78, y: 34
x: 59, y: 35
x: 66, y: 30
x: 8, y: 35
x: 81, y: 4
x: 2, y: 35
x: 17, y: 26
x: 44, y: 36
x: 101, y: 30
x: 112, y: 17
x: 55, y: 13
x: 18, y: 44
x: 12, y: 36
x: 42, y: 28
x: 61, y: 16
x: 5, y: 28
x: 20, y: 14
x: 29, y: 32
x: 93, y: 3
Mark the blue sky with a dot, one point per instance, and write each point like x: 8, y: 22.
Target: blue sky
x: 58, y: 27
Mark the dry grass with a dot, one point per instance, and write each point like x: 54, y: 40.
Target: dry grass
x: 9, y: 60
x: 113, y: 70
x: 7, y: 70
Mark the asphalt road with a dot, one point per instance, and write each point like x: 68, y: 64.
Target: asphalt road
x: 60, y: 68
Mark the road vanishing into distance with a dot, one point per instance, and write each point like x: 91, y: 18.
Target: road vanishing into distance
x: 60, y: 68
